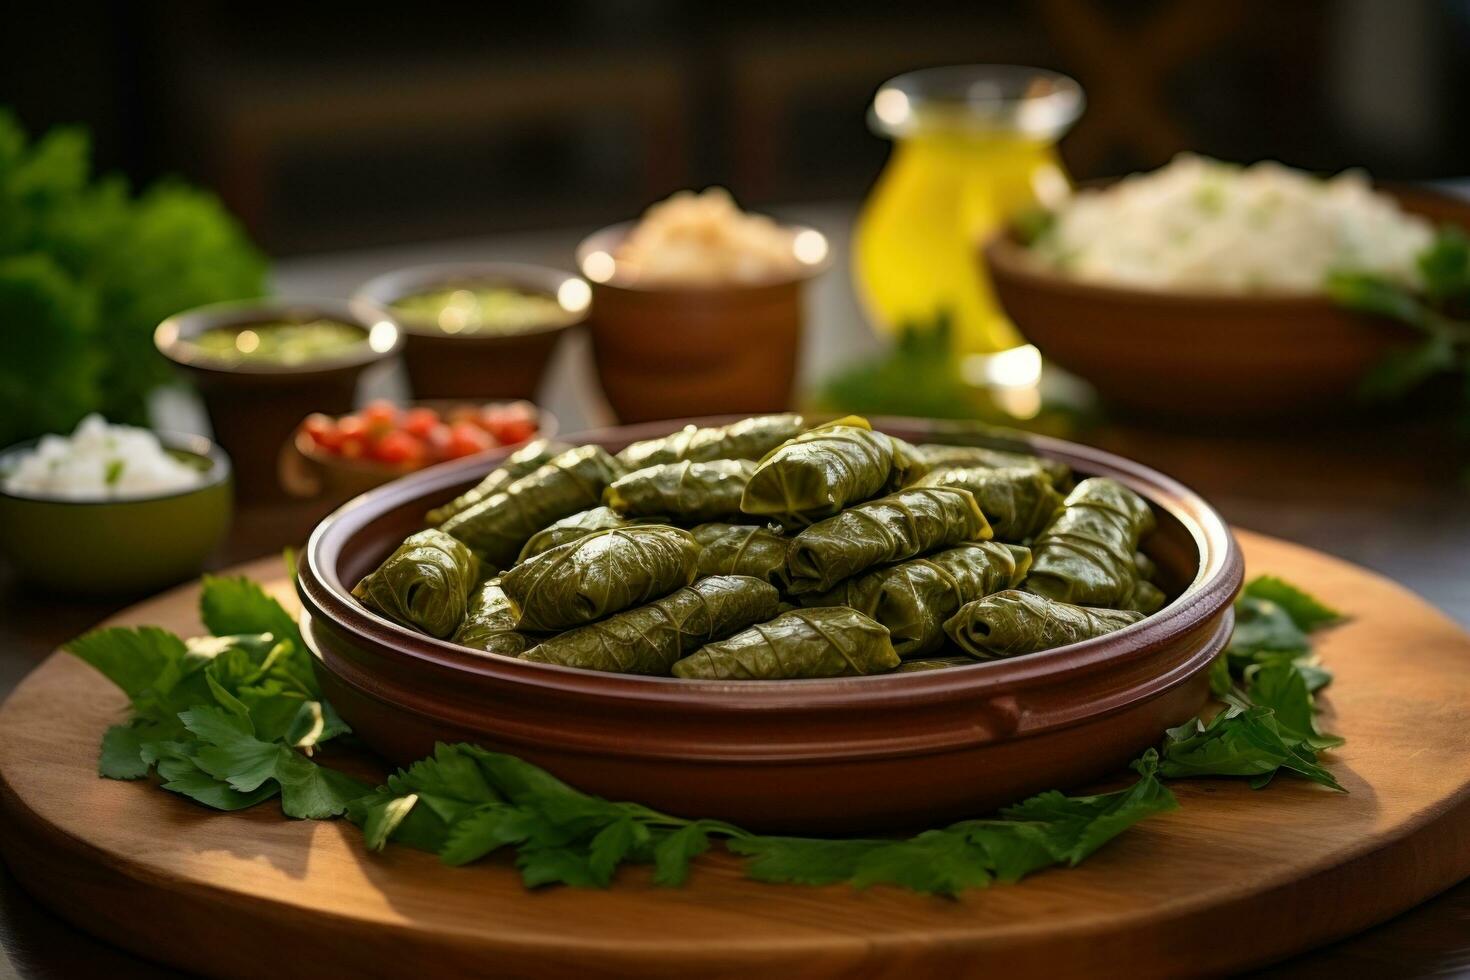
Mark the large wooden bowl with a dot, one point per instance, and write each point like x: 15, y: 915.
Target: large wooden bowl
x: 1202, y: 356
x: 838, y: 755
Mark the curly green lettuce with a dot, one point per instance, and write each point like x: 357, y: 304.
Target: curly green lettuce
x: 88, y: 270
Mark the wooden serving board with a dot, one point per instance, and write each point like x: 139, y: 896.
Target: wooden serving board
x: 1234, y: 878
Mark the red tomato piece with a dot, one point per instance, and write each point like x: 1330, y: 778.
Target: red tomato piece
x: 462, y: 413
x: 438, y: 442
x: 419, y: 422
x: 510, y: 422
x: 466, y: 439
x: 380, y: 415
x: 520, y: 410
x: 492, y: 417
x: 516, y: 430
x: 322, y: 430
x: 400, y: 449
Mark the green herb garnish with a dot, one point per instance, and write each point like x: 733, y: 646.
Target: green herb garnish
x: 464, y: 803
x: 1267, y: 677
x: 230, y: 720
x: 1438, y: 314
x: 225, y: 718
x: 919, y: 376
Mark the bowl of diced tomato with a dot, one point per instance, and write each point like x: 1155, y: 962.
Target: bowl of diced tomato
x: 338, y: 457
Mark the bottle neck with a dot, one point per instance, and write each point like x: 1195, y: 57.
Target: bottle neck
x: 974, y: 143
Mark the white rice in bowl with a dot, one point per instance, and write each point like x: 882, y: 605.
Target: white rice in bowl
x: 99, y: 461
x: 1206, y: 226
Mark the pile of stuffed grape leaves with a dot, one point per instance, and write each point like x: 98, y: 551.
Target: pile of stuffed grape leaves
x: 768, y: 549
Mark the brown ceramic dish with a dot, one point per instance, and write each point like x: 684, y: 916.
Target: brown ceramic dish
x: 255, y: 406
x: 835, y: 755
x: 308, y: 472
x: 1197, y: 355
x: 665, y: 352
x: 478, y: 365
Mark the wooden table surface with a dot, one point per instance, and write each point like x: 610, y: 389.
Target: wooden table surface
x: 1389, y: 495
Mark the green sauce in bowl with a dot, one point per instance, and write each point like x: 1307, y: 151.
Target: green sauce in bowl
x: 283, y: 343
x: 477, y: 310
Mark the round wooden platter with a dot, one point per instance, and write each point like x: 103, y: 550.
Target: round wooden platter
x: 1234, y: 878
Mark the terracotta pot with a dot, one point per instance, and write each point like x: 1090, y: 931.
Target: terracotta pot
x: 837, y: 755
x: 669, y: 352
x: 254, y: 407
x: 478, y: 366
x: 1196, y: 355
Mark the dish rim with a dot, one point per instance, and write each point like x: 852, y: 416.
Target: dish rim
x: 387, y: 288
x: 1218, y: 576
x: 608, y: 237
x: 172, y: 336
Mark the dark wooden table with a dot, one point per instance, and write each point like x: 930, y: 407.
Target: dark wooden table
x: 1390, y: 496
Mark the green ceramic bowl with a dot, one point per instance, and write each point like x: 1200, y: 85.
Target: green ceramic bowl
x: 112, y: 547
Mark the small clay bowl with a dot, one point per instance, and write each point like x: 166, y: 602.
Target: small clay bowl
x: 830, y: 756
x: 254, y: 407
x: 480, y: 366
x: 308, y: 472
x: 1202, y: 356
x: 122, y: 546
x: 671, y: 351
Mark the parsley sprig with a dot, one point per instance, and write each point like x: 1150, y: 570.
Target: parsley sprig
x: 1439, y: 313
x: 232, y: 719
x: 1267, y: 678
x: 464, y: 803
x: 227, y: 720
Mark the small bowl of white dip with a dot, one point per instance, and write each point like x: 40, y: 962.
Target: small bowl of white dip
x: 112, y: 509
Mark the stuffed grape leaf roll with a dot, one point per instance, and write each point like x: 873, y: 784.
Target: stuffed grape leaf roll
x: 1018, y: 501
x: 498, y: 527
x: 913, y: 599
x: 893, y: 528
x: 933, y: 663
x: 424, y: 584
x: 652, y: 638
x: 600, y: 574
x: 579, y: 525
x: 529, y: 458
x: 834, y: 641
x: 1086, y: 555
x: 490, y: 623
x: 823, y: 470
x: 1146, y: 598
x: 937, y: 457
x: 1008, y: 624
x: 742, y: 549
x: 749, y: 438
x: 687, y: 492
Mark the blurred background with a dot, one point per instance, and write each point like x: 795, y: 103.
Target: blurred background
x: 323, y: 149
x: 333, y: 125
